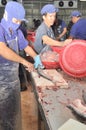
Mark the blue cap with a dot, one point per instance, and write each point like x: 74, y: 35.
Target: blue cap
x: 75, y: 13
x: 15, y: 10
x: 49, y: 8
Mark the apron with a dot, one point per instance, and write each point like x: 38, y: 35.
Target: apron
x: 10, y: 113
x: 22, y: 71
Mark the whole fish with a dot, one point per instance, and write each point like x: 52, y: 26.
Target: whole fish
x: 44, y: 75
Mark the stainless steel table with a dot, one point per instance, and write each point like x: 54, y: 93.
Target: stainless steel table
x: 52, y: 103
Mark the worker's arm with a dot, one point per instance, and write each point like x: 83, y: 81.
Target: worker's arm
x: 70, y: 37
x: 63, y: 33
x: 11, y: 55
x: 30, y: 51
x: 52, y: 42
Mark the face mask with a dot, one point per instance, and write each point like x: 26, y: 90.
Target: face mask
x: 8, y: 24
x: 13, y: 26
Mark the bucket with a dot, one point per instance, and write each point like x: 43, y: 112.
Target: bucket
x: 50, y: 59
x: 72, y: 58
x: 57, y: 49
x: 31, y: 36
x: 50, y: 65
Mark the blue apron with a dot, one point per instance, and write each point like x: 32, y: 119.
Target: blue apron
x: 10, y: 113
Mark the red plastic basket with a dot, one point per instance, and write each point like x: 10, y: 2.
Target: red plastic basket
x: 57, y: 49
x: 73, y: 58
x: 50, y: 59
x: 31, y: 36
x: 51, y: 65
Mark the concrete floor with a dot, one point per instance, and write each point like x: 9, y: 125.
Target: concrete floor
x: 29, y: 110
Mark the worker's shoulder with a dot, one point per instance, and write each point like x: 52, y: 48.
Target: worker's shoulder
x: 82, y: 20
x: 42, y: 28
x: 80, y: 23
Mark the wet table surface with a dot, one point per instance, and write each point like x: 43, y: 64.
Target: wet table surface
x: 54, y: 102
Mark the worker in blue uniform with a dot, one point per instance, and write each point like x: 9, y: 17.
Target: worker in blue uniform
x: 60, y: 29
x: 44, y: 34
x: 11, y: 41
x: 78, y: 30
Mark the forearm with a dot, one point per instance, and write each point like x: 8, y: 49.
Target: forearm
x: 70, y: 37
x: 51, y: 42
x: 63, y: 33
x: 30, y: 51
x: 9, y: 54
x: 36, y: 57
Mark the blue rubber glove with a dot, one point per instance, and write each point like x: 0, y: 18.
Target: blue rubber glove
x: 38, y: 62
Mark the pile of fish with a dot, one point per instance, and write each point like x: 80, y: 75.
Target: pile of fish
x: 49, y: 56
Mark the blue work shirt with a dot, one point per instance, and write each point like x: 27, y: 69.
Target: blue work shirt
x: 21, y: 41
x: 42, y: 30
x: 58, y: 28
x: 78, y: 30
